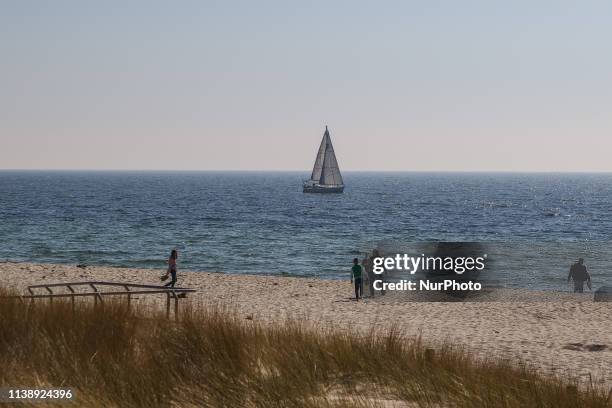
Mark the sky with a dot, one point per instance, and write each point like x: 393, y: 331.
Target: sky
x: 228, y: 85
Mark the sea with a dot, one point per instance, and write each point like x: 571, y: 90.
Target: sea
x: 532, y: 225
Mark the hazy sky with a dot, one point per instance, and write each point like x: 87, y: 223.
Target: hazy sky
x: 406, y: 85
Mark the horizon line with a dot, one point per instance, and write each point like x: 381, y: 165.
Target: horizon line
x: 308, y: 171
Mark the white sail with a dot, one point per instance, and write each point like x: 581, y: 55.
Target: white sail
x: 326, y: 177
x: 318, y: 165
x: 330, y: 174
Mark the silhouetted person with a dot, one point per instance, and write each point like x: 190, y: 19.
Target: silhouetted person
x: 578, y: 272
x: 172, y: 268
x: 375, y: 276
x: 370, y: 276
x: 356, y: 274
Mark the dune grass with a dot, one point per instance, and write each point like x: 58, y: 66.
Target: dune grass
x: 115, y: 357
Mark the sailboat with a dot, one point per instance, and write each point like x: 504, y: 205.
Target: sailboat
x: 326, y: 177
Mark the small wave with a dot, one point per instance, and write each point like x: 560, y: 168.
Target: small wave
x: 552, y: 212
x: 493, y: 204
x: 147, y: 261
x: 42, y: 251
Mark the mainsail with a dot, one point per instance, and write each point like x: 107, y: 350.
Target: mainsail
x: 326, y: 170
x: 318, y: 166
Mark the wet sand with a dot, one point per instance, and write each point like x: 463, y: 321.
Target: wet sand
x: 563, y: 333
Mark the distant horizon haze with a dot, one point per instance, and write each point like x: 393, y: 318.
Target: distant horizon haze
x: 443, y: 86
x: 441, y: 172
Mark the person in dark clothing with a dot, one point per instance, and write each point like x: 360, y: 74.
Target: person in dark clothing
x: 380, y: 276
x: 356, y: 275
x: 172, y: 268
x: 369, y: 276
x: 578, y: 272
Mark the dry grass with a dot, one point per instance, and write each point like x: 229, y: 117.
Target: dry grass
x: 114, y: 357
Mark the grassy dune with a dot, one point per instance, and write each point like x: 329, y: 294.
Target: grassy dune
x: 112, y: 356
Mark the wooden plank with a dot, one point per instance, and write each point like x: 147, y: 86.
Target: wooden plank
x: 100, y: 293
x: 98, y: 283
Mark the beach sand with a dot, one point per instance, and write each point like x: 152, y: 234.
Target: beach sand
x: 566, y: 334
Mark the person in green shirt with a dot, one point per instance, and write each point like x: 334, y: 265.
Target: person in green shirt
x: 356, y: 272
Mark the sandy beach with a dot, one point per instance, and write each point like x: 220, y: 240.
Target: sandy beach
x: 561, y: 333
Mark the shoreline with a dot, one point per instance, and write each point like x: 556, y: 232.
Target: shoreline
x: 547, y: 294
x: 558, y: 333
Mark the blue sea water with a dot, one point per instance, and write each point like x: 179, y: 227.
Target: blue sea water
x: 243, y: 222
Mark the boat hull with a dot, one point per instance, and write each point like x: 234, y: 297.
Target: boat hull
x: 323, y: 189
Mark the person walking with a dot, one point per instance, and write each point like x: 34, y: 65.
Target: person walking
x: 172, y: 268
x: 578, y: 272
x: 370, y: 276
x: 381, y: 276
x: 356, y: 278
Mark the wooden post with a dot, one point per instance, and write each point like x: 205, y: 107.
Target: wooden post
x: 167, y: 305
x: 71, y: 297
x: 129, y: 296
x: 175, y: 306
x: 31, y: 294
x: 96, y: 296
